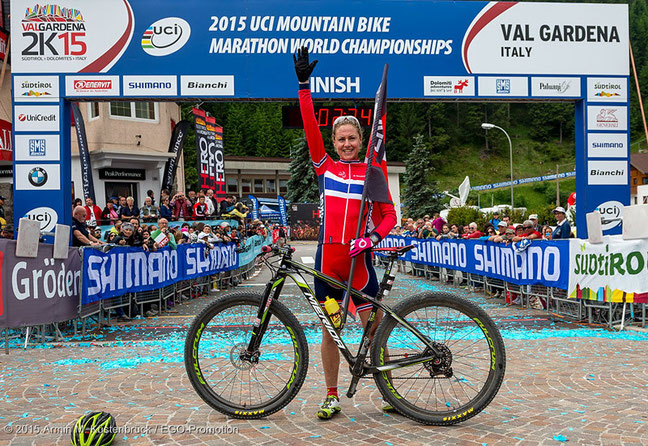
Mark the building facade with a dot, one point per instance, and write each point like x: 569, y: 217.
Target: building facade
x: 639, y: 178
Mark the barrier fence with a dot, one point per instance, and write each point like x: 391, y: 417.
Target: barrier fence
x: 538, y: 275
x: 40, y: 295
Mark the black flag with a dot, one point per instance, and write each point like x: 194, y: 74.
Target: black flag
x: 84, y: 155
x: 175, y: 146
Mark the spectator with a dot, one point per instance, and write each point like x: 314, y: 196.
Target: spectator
x: 80, y: 234
x: 163, y: 236
x: 489, y: 233
x: 77, y: 202
x: 207, y: 237
x: 210, y: 201
x: 528, y: 232
x: 116, y: 229
x: 226, y: 205
x: 165, y: 209
x: 501, y: 228
x: 427, y: 230
x: 563, y: 229
x: 547, y: 232
x: 2, y: 212
x: 192, y: 197
x: 445, y: 233
x: 181, y: 207
x: 473, y: 232
x: 495, y: 221
x: 130, y: 210
x: 506, y: 219
x: 149, y: 212
x: 438, y: 223
x: 122, y: 204
x: 455, y: 231
x: 109, y: 214
x: 151, y: 195
x: 534, y: 220
x: 137, y: 230
x: 200, y: 208
x: 93, y: 212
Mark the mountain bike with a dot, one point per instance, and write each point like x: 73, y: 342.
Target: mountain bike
x: 437, y: 358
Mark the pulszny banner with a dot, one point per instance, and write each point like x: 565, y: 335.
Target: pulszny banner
x: 613, y: 271
x: 126, y: 269
x: 38, y: 291
x: 543, y: 262
x: 175, y: 147
x: 84, y: 154
x: 250, y: 249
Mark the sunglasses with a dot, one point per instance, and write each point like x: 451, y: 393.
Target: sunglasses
x: 346, y: 119
x: 527, y: 227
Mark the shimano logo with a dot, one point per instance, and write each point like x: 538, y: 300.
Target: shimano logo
x: 149, y: 85
x: 608, y: 145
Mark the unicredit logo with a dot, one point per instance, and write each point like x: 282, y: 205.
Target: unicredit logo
x: 38, y: 117
x: 93, y: 85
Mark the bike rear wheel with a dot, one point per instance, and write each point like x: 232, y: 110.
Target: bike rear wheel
x: 214, y: 357
x: 460, y: 383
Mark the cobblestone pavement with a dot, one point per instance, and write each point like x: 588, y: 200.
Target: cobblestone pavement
x: 564, y: 382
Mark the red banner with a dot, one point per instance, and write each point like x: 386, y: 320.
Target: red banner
x: 6, y: 149
x: 209, y: 154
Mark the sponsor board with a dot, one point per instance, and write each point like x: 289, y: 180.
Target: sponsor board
x: 46, y: 216
x: 607, y: 89
x: 150, y: 86
x: 520, y: 37
x: 69, y: 37
x: 503, y: 86
x: 43, y: 118
x: 448, y: 86
x: 607, y: 145
x: 36, y: 88
x: 556, y: 87
x: 607, y: 117
x: 607, y: 172
x: 207, y: 85
x: 37, y: 148
x: 92, y: 85
x: 610, y: 210
x: 37, y: 176
x: 166, y: 36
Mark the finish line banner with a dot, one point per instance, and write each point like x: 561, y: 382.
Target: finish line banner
x: 613, y: 271
x: 543, y: 262
x: 126, y: 270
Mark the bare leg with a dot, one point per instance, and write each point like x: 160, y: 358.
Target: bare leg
x: 330, y: 360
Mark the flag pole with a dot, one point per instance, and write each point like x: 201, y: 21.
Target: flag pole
x: 374, y: 130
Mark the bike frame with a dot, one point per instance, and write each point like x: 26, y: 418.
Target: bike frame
x: 359, y: 368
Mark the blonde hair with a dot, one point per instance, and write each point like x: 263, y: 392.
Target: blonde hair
x: 344, y: 120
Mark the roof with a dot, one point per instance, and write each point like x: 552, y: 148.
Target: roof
x: 639, y: 161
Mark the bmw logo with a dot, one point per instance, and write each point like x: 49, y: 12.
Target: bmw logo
x: 37, y: 176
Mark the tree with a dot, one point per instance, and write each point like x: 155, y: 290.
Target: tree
x: 421, y: 195
x: 302, y: 185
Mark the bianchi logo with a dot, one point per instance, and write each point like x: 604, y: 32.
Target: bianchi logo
x: 166, y: 36
x: 37, y: 177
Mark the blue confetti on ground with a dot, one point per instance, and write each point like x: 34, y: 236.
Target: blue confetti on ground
x: 560, y: 438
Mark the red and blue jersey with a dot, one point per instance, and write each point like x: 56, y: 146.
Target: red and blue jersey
x: 340, y: 186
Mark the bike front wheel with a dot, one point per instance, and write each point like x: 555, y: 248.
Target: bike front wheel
x: 230, y: 380
x: 456, y: 385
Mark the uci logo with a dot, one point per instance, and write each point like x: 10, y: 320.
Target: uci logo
x: 610, y: 210
x: 166, y: 36
x: 47, y: 217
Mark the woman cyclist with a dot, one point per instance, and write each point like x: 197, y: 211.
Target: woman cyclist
x: 340, y: 185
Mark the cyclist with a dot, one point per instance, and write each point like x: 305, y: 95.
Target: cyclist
x: 340, y: 185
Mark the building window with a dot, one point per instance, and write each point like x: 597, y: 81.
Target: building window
x: 283, y: 186
x: 246, y: 187
x: 232, y: 186
x: 644, y: 180
x: 133, y: 110
x: 93, y: 110
x: 271, y: 187
x: 258, y: 186
x: 645, y: 200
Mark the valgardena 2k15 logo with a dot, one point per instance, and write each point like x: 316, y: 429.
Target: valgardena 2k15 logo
x: 166, y: 36
x: 55, y: 31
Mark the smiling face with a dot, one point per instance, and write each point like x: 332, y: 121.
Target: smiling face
x: 347, y: 142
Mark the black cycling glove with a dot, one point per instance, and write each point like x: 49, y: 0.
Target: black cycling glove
x: 302, y: 67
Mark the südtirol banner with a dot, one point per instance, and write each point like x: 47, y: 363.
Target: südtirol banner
x: 125, y: 269
x: 38, y: 291
x: 543, y: 262
x: 613, y: 271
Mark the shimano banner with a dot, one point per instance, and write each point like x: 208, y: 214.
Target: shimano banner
x: 543, y: 262
x: 125, y: 269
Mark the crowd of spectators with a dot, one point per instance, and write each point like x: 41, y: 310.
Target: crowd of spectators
x: 178, y: 207
x: 496, y: 229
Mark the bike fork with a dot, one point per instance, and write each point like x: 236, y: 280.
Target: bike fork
x: 272, y: 291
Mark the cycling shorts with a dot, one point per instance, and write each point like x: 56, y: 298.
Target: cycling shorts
x: 333, y: 260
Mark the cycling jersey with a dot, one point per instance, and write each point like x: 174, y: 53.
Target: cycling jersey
x: 340, y: 186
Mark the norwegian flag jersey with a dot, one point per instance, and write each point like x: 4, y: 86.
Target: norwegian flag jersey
x: 340, y: 186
